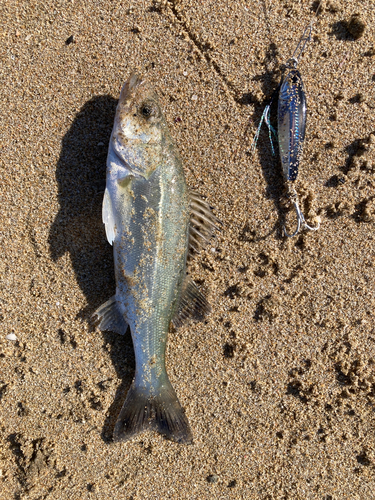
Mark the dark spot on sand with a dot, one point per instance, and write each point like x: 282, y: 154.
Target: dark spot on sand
x: 300, y: 243
x: 228, y: 350
x: 61, y: 473
x: 340, y: 30
x: 3, y: 389
x: 363, y: 459
x: 232, y: 292
x: 295, y: 389
x: 78, y: 386
x: 349, y: 30
x: 356, y: 26
x: 247, y: 99
x: 72, y: 342
x: 261, y: 273
x: 243, y: 269
x: 253, y: 385
x: 334, y: 181
x: 370, y: 52
x: 247, y: 234
x: 95, y: 403
x: 62, y: 335
x: 358, y: 98
x: 21, y: 411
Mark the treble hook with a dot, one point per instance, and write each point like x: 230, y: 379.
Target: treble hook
x: 301, y: 221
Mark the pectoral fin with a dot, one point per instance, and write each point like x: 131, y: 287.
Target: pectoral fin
x: 108, y: 217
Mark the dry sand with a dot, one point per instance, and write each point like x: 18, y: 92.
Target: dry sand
x: 279, y: 382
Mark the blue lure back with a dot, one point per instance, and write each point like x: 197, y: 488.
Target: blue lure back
x: 291, y: 123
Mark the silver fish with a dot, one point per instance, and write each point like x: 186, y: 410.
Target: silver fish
x: 153, y: 222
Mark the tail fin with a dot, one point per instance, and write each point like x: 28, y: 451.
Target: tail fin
x: 161, y: 411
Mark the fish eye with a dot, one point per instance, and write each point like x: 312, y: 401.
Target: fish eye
x: 146, y: 110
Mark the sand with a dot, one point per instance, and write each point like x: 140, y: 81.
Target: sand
x: 279, y: 382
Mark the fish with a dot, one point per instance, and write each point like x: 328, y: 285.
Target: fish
x: 156, y: 225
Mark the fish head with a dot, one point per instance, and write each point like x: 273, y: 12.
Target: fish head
x: 139, y: 120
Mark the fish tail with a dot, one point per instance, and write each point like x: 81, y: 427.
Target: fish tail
x: 161, y: 411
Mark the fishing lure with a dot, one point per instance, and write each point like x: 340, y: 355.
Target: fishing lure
x: 291, y: 125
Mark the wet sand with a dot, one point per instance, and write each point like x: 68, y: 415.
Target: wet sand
x: 279, y: 382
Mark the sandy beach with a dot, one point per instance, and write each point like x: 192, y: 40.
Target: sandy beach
x: 278, y: 382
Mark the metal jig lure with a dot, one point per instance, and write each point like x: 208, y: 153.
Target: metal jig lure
x: 291, y: 125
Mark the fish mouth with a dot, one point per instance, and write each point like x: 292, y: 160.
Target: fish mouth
x: 130, y: 86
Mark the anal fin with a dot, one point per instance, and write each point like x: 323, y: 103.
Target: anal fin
x: 110, y: 317
x: 192, y: 303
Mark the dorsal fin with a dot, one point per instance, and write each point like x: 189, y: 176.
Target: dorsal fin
x: 192, y: 303
x: 203, y: 224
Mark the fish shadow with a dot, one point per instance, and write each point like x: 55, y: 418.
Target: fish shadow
x: 79, y: 231
x: 123, y: 358
x: 78, y: 228
x: 269, y: 162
